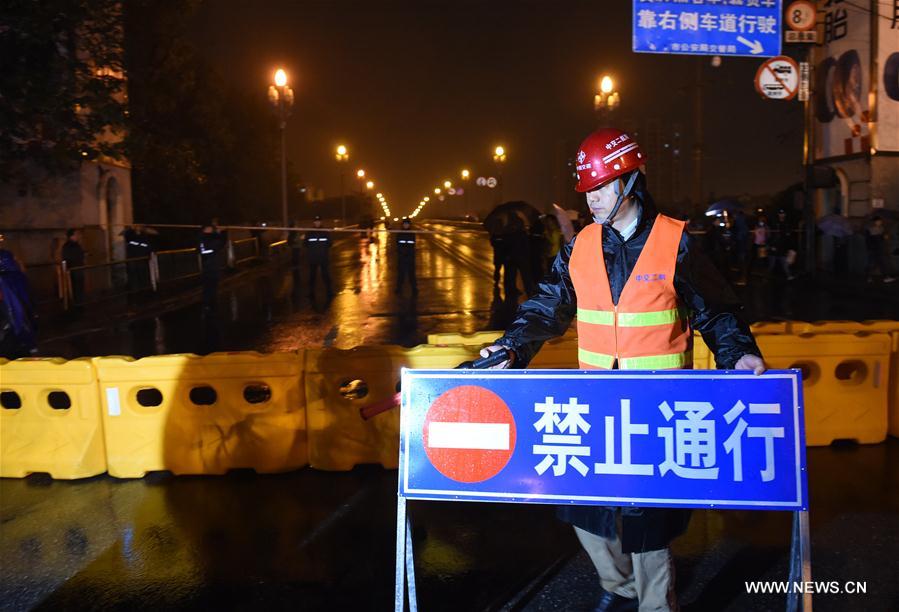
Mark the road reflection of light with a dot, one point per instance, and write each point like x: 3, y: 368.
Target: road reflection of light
x: 466, y: 292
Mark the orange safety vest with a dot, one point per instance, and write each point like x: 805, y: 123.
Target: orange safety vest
x: 648, y: 329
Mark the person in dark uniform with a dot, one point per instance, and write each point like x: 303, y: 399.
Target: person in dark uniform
x: 73, y: 255
x: 536, y: 247
x: 138, y: 244
x: 405, y: 248
x: 295, y: 243
x: 210, y: 244
x: 499, y: 254
x: 318, y: 252
x: 516, y: 260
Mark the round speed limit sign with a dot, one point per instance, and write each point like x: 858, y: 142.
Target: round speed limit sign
x: 801, y: 15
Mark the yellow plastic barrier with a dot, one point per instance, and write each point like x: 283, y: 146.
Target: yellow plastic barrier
x: 770, y: 327
x: 845, y: 382
x: 558, y: 353
x: 875, y: 326
x: 203, y: 415
x: 872, y: 326
x: 480, y: 338
x: 50, y: 419
x: 340, y: 382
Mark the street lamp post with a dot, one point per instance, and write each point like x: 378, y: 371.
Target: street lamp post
x: 499, y: 158
x: 606, y: 99
x: 465, y: 176
x: 281, y: 97
x: 342, y: 155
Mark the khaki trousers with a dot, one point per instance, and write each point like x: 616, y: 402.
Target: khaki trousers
x: 648, y: 576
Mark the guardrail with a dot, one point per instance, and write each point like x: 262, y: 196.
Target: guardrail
x: 176, y: 264
x: 243, y: 250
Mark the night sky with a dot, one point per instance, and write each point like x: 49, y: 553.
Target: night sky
x: 420, y: 89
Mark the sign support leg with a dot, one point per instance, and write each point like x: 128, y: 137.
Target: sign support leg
x: 410, y: 568
x: 800, y: 564
x: 399, y: 595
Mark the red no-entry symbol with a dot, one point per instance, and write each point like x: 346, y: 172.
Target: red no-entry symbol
x: 469, y: 434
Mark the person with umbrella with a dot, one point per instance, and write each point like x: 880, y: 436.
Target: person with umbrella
x: 876, y: 242
x: 508, y: 225
x: 639, y: 286
x: 839, y: 228
x: 783, y: 245
x: 18, y: 319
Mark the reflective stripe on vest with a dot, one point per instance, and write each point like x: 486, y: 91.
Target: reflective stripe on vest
x: 649, y: 362
x: 630, y: 319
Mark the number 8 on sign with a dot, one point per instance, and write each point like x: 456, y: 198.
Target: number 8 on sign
x: 801, y: 15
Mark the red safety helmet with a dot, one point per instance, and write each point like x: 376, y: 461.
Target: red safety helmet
x: 604, y: 155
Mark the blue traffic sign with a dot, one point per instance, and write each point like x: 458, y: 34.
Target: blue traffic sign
x: 708, y: 27
x: 698, y: 439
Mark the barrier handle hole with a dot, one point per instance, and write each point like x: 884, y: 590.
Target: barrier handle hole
x: 353, y: 389
x: 10, y: 400
x: 810, y: 371
x: 149, y: 397
x: 59, y: 400
x: 257, y: 393
x: 203, y: 396
x: 852, y: 372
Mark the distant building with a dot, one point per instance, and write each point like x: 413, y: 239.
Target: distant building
x: 94, y: 195
x: 855, y: 110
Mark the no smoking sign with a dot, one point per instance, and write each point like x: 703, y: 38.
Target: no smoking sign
x: 778, y: 78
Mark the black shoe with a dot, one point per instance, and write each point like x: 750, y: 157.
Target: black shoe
x: 610, y: 602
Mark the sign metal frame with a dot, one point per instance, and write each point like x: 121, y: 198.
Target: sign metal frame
x: 405, y: 588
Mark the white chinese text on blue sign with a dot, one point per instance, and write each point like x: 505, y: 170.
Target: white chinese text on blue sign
x: 708, y: 27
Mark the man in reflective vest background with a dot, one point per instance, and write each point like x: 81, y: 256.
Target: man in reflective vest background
x: 639, y: 285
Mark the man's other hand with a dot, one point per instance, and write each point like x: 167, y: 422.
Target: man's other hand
x: 751, y: 362
x: 486, y: 352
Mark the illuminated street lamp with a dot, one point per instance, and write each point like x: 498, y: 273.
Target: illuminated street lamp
x: 360, y: 173
x: 447, y: 184
x: 281, y: 97
x: 499, y: 158
x: 465, y: 176
x: 342, y: 155
x: 606, y: 99
x: 370, y: 185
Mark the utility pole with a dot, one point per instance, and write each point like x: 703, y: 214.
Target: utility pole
x: 697, y: 144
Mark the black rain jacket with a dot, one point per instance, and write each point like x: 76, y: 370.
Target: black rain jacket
x: 713, y: 309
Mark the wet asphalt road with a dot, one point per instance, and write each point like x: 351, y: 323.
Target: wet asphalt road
x: 314, y: 540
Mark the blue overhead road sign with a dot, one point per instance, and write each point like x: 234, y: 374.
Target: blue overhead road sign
x: 621, y: 438
x: 749, y: 28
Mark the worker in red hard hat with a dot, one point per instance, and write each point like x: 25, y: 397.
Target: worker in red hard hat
x: 639, y: 285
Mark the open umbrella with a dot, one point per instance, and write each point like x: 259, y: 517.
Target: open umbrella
x: 511, y: 217
x: 564, y: 222
x: 721, y: 206
x: 837, y: 226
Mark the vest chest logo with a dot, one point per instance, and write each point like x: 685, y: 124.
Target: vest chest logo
x: 650, y: 277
